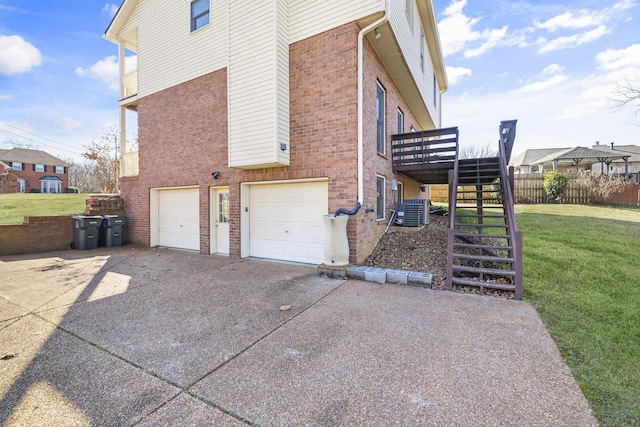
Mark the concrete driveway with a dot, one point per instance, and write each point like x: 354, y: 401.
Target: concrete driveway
x: 154, y: 337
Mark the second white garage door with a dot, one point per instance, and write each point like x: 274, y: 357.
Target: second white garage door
x: 286, y: 223
x: 178, y: 218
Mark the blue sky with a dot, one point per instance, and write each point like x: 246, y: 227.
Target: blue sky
x: 553, y: 65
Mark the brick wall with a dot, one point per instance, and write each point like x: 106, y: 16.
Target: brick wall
x: 183, y: 139
x: 37, y: 234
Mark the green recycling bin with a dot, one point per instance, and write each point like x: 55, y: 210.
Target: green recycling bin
x: 85, y: 231
x: 112, y: 230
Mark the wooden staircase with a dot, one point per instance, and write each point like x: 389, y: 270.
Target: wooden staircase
x: 484, y: 247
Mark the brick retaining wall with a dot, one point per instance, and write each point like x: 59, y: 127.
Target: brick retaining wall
x: 37, y: 234
x: 50, y: 233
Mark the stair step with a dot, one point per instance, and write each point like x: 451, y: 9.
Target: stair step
x: 489, y: 206
x: 495, y: 271
x: 488, y: 199
x: 481, y: 216
x: 497, y: 236
x: 479, y: 283
x: 483, y: 258
x: 463, y: 224
x: 480, y: 246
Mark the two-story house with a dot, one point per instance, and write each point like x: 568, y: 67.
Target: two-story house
x: 37, y: 169
x: 255, y: 119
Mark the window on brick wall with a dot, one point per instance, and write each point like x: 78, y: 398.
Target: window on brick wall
x: 400, y: 121
x: 59, y: 169
x: 380, y: 196
x: 380, y: 113
x: 39, y: 168
x: 399, y: 193
x: 17, y: 166
x: 199, y: 14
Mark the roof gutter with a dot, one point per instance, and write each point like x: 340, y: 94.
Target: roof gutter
x: 361, y: 35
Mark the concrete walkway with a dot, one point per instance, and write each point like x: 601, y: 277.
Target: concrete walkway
x: 154, y: 337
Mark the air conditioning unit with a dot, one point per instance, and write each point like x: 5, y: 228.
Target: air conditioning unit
x: 416, y: 212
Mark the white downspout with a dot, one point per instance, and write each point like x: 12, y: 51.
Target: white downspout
x: 361, y: 35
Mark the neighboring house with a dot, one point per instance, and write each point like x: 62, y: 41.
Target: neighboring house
x: 624, y: 159
x: 617, y: 166
x: 255, y: 119
x: 37, y: 169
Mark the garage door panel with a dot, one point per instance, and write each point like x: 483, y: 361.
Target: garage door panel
x: 286, y: 221
x: 178, y: 218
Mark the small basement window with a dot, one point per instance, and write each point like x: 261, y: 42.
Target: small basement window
x: 380, y: 196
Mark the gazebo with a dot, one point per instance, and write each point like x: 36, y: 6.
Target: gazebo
x: 573, y: 157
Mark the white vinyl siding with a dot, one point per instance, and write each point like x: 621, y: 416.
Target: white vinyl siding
x: 258, y: 84
x: 311, y: 17
x: 419, y: 62
x: 168, y: 52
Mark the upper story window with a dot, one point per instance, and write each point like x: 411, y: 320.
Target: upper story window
x: 59, y: 169
x: 39, y: 168
x: 380, y: 113
x: 435, y: 91
x: 16, y: 166
x: 422, y: 50
x: 408, y: 8
x: 199, y: 14
x: 400, y: 121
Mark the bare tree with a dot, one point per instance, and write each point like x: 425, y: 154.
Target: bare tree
x: 26, y: 143
x: 477, y: 151
x: 627, y: 93
x: 106, y: 166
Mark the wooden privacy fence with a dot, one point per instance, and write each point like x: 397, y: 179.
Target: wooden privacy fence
x: 528, y: 188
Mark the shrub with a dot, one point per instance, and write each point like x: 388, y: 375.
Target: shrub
x: 602, y: 187
x: 34, y: 190
x: 71, y: 190
x: 554, y: 185
x: 496, y: 190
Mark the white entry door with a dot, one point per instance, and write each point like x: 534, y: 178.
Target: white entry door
x: 220, y: 221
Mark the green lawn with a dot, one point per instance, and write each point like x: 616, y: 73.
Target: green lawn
x: 14, y: 207
x: 582, y: 274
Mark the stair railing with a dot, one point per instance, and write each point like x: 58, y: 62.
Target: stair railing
x: 507, y: 137
x: 453, y: 196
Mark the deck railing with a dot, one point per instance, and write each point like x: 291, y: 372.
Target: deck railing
x: 429, y: 149
x: 129, y: 164
x: 130, y: 84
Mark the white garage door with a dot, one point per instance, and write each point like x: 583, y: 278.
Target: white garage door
x: 178, y: 218
x: 286, y: 221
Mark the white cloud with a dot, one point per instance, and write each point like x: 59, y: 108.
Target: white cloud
x: 582, y: 19
x: 5, y: 97
x: 543, y: 85
x: 552, y: 69
x: 457, y: 33
x: 616, y: 59
x: 575, y: 40
x: 457, y: 74
x: 106, y: 70
x: 110, y: 9
x: 493, y: 38
x: 17, y: 55
x: 67, y: 123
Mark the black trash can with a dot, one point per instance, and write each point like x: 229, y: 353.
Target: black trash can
x: 112, y: 230
x: 85, y: 231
